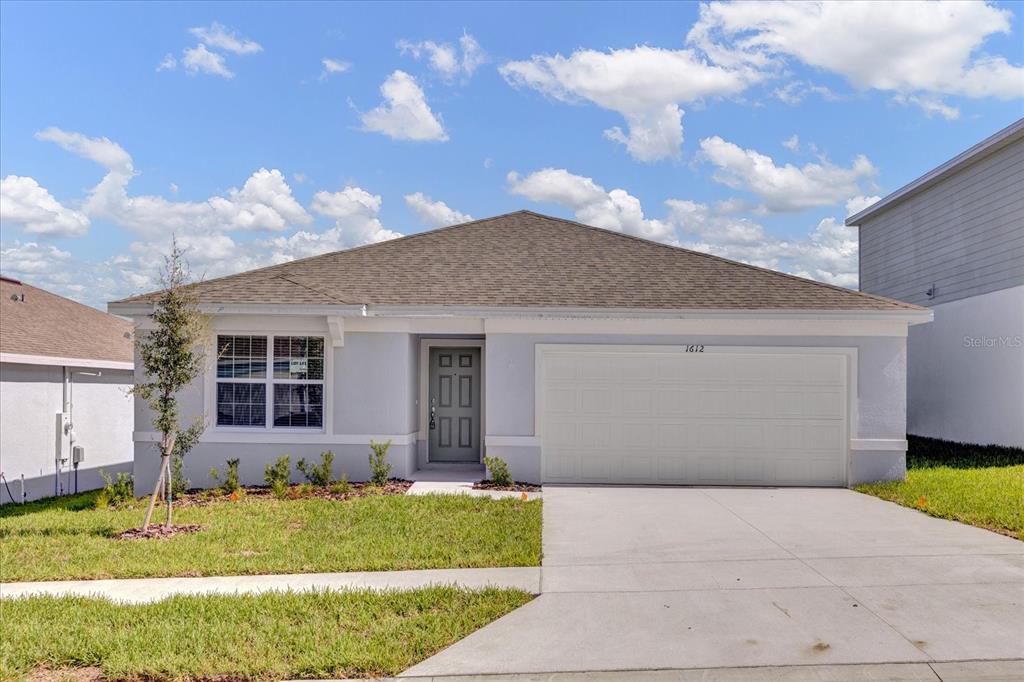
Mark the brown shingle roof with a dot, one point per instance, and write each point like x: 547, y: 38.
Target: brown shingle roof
x: 51, y: 325
x: 525, y: 259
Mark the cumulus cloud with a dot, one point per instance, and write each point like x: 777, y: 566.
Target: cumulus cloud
x: 615, y: 210
x: 218, y: 36
x: 434, y: 213
x: 786, y: 187
x: 644, y: 84
x: 264, y: 202
x: 447, y: 60
x: 933, y: 48
x: 202, y: 59
x: 404, y: 114
x: 23, y: 201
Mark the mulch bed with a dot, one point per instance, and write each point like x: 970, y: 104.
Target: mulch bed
x: 202, y: 498
x: 517, y: 486
x: 158, y: 531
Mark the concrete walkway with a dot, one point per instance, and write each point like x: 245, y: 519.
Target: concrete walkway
x: 142, y: 590
x: 684, y: 578
x: 458, y: 481
x: 969, y: 671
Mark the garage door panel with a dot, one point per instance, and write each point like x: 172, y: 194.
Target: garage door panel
x: 636, y: 416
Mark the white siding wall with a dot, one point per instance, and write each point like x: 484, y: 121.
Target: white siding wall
x: 30, y: 398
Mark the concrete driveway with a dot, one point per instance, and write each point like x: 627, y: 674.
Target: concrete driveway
x: 647, y: 578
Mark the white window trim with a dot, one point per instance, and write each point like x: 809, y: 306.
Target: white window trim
x: 210, y: 388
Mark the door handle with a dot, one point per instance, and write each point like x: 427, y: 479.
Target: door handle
x: 433, y: 423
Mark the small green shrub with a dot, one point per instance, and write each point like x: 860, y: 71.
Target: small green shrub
x: 341, y: 486
x: 380, y: 470
x: 498, y: 469
x: 117, y: 492
x: 179, y: 484
x: 318, y: 474
x: 277, y: 476
x: 230, y: 483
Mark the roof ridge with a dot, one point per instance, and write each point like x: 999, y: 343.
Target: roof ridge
x: 833, y: 287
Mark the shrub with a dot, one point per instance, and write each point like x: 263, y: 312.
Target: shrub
x: 380, y: 470
x: 117, y: 492
x: 230, y: 483
x: 498, y: 469
x: 318, y: 474
x: 179, y: 484
x: 277, y: 476
x: 341, y: 486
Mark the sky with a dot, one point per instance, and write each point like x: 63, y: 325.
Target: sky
x: 259, y: 133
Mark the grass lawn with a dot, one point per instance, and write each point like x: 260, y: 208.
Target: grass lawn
x: 66, y: 538
x: 975, y: 484
x: 267, y: 636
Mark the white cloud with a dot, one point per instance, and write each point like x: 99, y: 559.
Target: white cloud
x: 24, y: 201
x: 199, y: 59
x: 356, y: 217
x: 168, y: 63
x: 788, y: 187
x: 29, y: 260
x: 792, y: 143
x: 795, y: 92
x: 615, y: 210
x: 434, y: 213
x: 174, y: 188
x: 644, y: 84
x: 221, y: 37
x: 333, y: 66
x: 264, y: 202
x: 903, y: 47
x: 445, y: 58
x: 930, y: 106
x: 859, y: 203
x: 404, y: 114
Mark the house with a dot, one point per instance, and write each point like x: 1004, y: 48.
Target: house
x: 65, y: 411
x: 953, y: 240
x: 574, y: 353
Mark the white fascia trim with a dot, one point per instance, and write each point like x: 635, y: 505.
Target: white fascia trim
x: 512, y: 441
x: 56, y: 361
x: 880, y: 444
x: 284, y: 437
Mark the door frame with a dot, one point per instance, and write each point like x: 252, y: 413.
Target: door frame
x: 850, y: 353
x: 423, y: 433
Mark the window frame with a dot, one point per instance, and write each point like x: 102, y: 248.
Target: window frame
x: 269, y: 382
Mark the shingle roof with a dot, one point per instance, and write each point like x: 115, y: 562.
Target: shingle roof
x: 47, y: 324
x: 525, y: 259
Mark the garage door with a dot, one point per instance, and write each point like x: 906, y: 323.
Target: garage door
x: 704, y: 416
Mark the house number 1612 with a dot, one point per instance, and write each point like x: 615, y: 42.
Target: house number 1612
x: 695, y: 349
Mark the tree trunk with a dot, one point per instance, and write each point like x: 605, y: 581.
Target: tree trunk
x: 156, y: 492
x: 170, y: 494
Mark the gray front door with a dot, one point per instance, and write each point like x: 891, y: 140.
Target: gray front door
x: 454, y: 405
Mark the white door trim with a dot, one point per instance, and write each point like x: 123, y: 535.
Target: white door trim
x: 544, y: 349
x: 424, y: 399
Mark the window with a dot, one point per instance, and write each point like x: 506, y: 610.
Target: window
x: 294, y: 383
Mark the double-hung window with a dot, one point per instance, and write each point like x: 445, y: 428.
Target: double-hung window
x: 270, y: 381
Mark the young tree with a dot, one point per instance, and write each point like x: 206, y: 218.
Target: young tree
x: 172, y: 357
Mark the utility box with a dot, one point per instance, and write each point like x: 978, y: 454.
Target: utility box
x: 77, y: 454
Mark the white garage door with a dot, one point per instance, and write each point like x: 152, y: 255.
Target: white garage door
x: 717, y: 416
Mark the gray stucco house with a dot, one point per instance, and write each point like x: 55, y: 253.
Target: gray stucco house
x: 953, y: 240
x: 576, y: 354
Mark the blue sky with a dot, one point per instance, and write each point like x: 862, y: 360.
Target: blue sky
x: 747, y: 130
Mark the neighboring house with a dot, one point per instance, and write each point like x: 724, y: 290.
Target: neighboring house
x: 65, y: 371
x: 953, y: 240
x: 574, y: 353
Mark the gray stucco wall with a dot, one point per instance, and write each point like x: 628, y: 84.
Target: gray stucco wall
x: 881, y: 386
x: 373, y: 375
x: 964, y: 235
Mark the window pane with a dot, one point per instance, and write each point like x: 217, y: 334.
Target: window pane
x: 241, y: 357
x: 298, y: 405
x: 298, y: 357
x: 241, y: 404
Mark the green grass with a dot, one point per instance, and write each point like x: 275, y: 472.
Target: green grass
x: 267, y: 636
x: 65, y: 538
x: 982, y: 485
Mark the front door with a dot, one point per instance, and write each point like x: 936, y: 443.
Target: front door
x: 454, y: 405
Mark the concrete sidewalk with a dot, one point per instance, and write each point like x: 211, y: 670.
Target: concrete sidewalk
x: 140, y: 590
